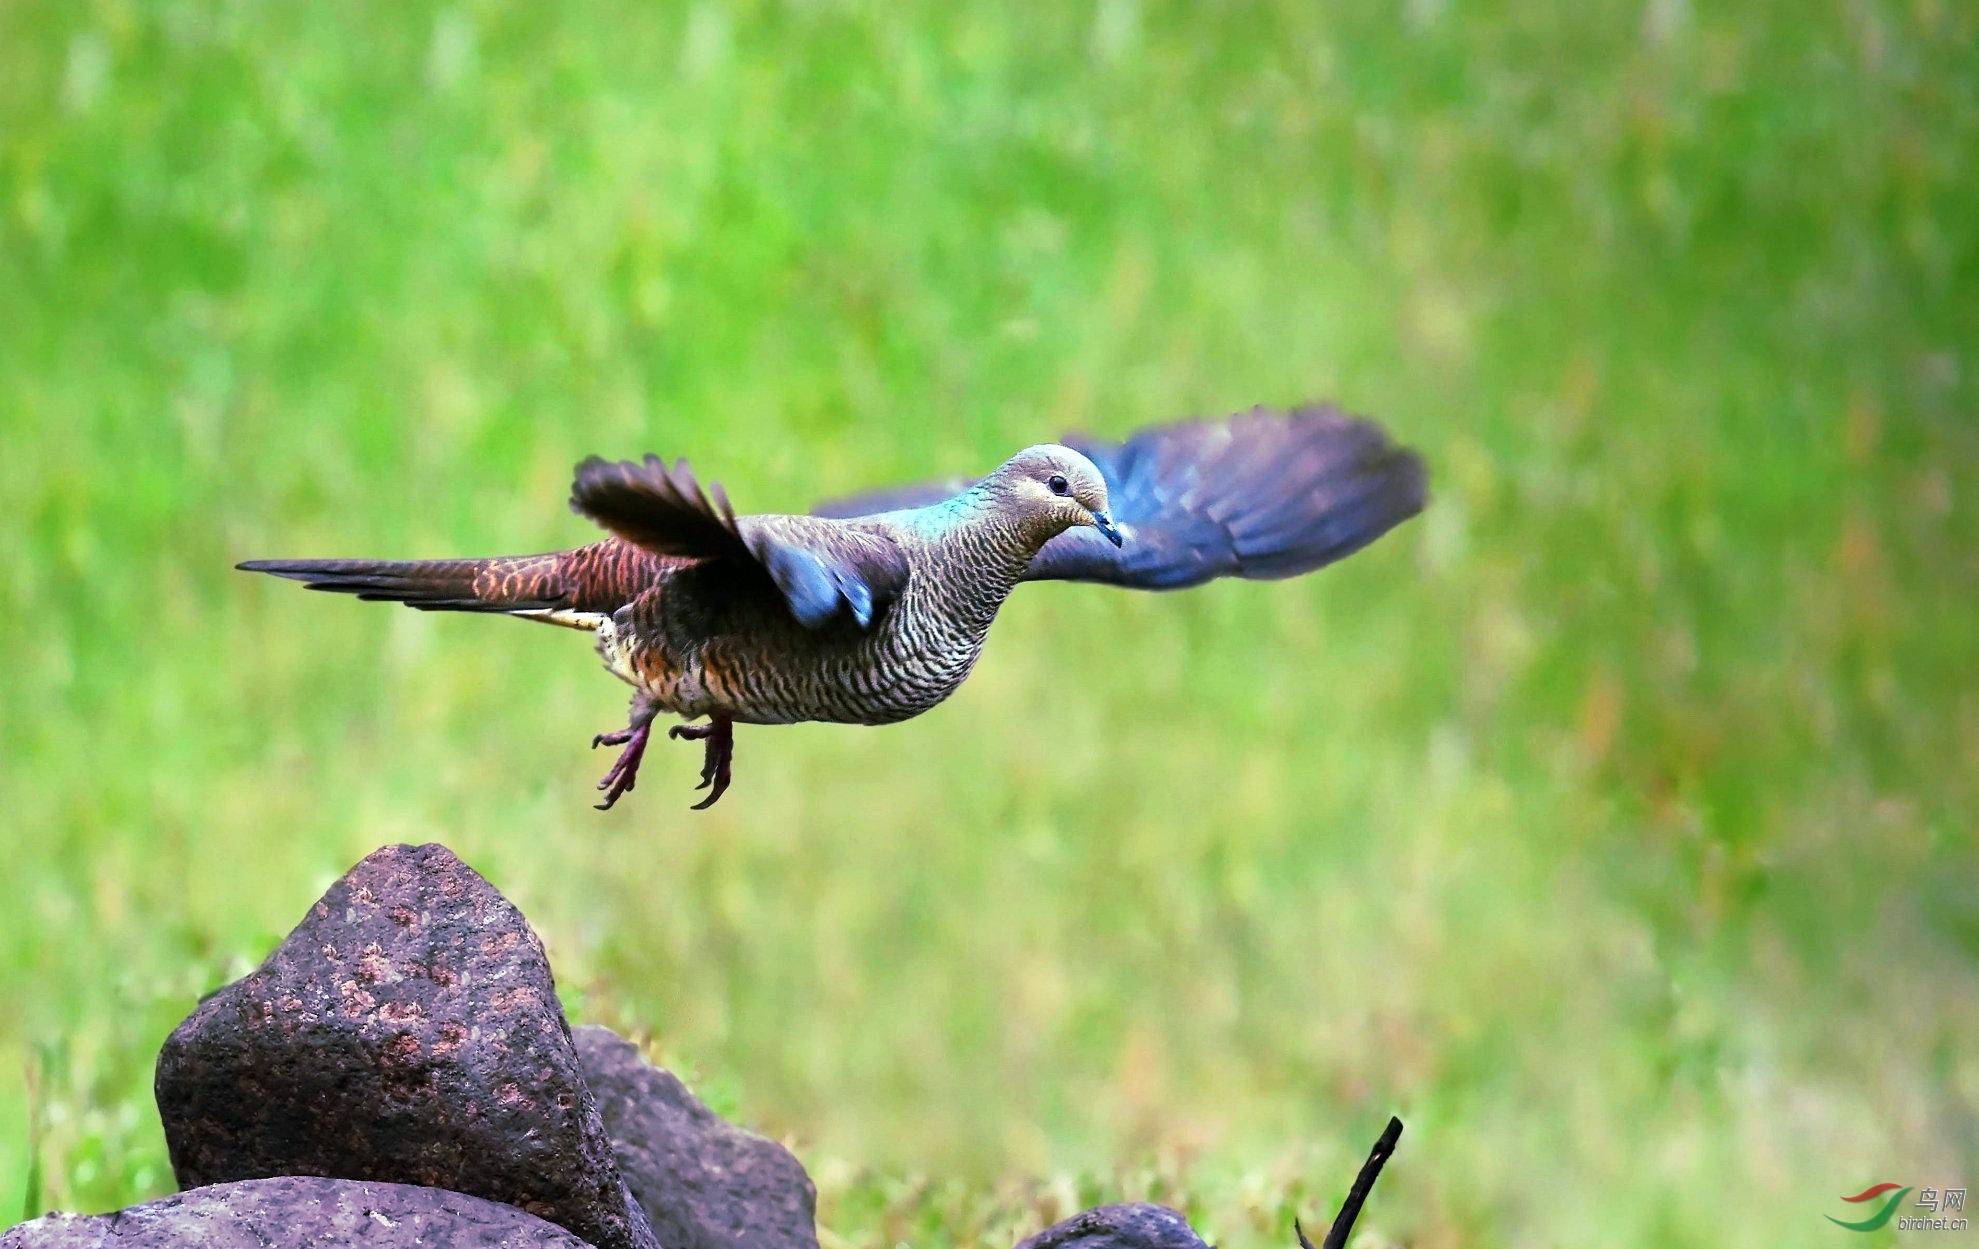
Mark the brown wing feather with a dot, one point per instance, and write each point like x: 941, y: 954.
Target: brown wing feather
x: 817, y: 566
x: 661, y: 509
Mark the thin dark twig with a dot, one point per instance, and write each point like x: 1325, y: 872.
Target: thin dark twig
x: 1350, y: 1209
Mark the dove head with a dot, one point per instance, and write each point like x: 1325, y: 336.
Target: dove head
x: 1052, y: 489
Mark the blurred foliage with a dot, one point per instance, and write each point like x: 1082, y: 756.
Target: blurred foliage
x: 1612, y: 823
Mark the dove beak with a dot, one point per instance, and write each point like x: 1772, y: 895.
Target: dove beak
x: 1104, y: 523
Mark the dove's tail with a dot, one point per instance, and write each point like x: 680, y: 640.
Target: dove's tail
x: 561, y: 586
x: 503, y: 584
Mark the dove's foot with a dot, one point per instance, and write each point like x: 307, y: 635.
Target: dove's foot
x: 633, y: 737
x: 719, y: 733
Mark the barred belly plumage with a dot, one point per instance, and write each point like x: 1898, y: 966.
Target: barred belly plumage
x: 771, y: 670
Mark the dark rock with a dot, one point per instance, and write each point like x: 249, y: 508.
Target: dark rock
x: 291, y: 1212
x: 408, y: 1031
x: 1129, y: 1225
x: 705, y: 1183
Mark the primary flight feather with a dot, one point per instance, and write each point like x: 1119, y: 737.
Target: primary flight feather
x: 873, y: 609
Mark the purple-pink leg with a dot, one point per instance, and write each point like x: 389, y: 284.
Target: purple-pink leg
x: 634, y: 736
x: 716, y: 765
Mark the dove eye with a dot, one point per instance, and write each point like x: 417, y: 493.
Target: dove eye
x: 1058, y: 485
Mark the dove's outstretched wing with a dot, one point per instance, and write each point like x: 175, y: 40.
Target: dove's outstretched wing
x: 1263, y: 494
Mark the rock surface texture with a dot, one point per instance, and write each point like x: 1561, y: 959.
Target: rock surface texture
x: 1130, y: 1225
x: 294, y: 1212
x: 407, y: 1031
x: 705, y: 1184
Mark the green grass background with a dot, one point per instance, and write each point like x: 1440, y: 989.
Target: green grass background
x: 1613, y: 823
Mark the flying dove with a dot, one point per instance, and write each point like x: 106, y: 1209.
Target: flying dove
x: 872, y: 609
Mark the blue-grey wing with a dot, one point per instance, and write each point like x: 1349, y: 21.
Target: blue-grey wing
x: 825, y: 566
x: 1263, y: 494
x: 893, y: 498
